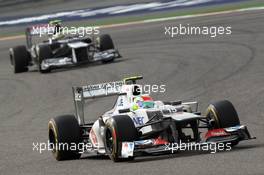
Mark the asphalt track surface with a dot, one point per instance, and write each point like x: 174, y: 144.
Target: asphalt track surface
x: 192, y: 68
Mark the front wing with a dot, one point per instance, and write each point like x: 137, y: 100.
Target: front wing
x: 231, y: 135
x: 52, y: 63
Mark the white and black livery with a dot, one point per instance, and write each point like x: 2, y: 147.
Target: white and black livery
x: 138, y: 125
x: 62, y: 51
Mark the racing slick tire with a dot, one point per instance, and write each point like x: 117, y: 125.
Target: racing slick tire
x: 19, y: 58
x: 106, y: 43
x: 64, y: 130
x: 43, y: 52
x: 119, y: 129
x: 224, y: 115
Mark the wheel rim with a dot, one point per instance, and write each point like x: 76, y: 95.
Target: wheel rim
x: 212, y: 115
x: 53, y: 138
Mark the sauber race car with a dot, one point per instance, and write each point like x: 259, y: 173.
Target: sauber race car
x: 59, y: 50
x: 138, y: 125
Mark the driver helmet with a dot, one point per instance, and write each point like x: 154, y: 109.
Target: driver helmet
x: 57, y: 33
x: 142, y: 102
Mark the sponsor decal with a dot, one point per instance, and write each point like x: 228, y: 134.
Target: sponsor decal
x: 127, y: 149
x: 160, y: 141
x: 121, y: 102
x: 93, y: 137
x: 216, y: 133
x: 138, y: 120
x: 105, y: 86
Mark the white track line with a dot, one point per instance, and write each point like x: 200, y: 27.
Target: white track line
x: 158, y: 20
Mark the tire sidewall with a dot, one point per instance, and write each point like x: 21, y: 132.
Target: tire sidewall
x: 117, y: 126
x: 223, y: 113
x: 58, y: 126
x: 19, y: 58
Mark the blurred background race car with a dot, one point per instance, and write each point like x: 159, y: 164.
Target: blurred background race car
x: 59, y: 50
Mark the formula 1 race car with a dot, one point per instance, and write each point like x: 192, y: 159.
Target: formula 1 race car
x: 60, y: 52
x: 138, y: 125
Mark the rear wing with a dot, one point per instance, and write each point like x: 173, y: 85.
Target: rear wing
x: 98, y: 90
x: 103, y: 89
x: 81, y: 93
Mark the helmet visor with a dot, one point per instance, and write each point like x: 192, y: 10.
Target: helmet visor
x: 148, y: 104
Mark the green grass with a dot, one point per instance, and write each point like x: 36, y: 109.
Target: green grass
x: 154, y: 15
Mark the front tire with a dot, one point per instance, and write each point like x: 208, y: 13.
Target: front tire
x: 19, y: 58
x: 64, y: 130
x: 43, y: 52
x: 224, y: 115
x: 119, y: 129
x: 105, y: 42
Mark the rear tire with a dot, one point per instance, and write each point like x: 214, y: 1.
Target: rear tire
x: 64, y: 130
x: 43, y: 52
x: 119, y: 129
x: 19, y: 58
